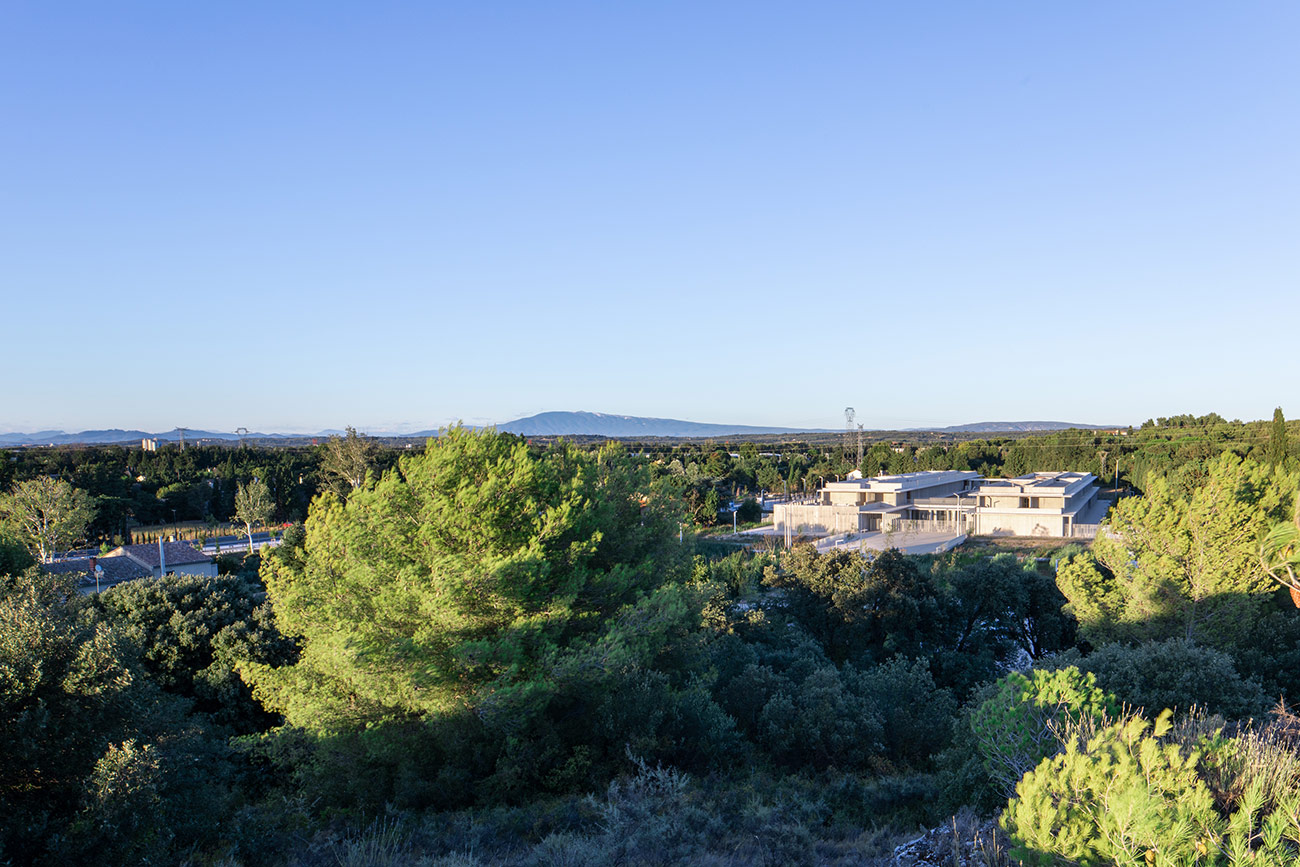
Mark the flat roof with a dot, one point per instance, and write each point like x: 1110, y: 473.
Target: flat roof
x: 1039, y: 483
x: 903, y: 481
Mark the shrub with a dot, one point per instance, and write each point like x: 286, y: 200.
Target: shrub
x: 1175, y: 674
x: 750, y: 511
x: 1129, y: 797
x: 1028, y: 717
x: 917, y: 715
x: 1124, y: 797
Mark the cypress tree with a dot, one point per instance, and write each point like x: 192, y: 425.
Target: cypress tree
x: 1278, y: 448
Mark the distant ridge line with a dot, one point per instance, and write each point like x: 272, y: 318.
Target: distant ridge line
x: 557, y: 423
x: 604, y: 424
x: 1016, y: 427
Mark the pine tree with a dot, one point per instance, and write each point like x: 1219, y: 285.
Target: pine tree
x: 476, y: 574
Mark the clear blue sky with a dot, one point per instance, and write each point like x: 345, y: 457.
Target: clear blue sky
x: 294, y: 216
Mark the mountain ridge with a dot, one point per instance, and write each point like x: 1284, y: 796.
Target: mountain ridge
x: 1015, y: 427
x: 605, y: 424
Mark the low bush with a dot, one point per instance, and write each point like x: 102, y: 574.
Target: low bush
x: 1175, y: 674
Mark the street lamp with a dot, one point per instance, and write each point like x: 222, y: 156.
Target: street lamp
x: 958, y: 496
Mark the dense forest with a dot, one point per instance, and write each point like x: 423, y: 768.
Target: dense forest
x: 494, y: 651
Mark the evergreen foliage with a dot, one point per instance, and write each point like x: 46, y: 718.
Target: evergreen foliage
x: 1123, y: 797
x: 1135, y: 793
x: 1182, y: 564
x: 191, y: 632
x: 517, y: 629
x: 1175, y: 674
x: 95, y: 763
x: 1279, y: 449
x: 1025, y: 719
x: 482, y: 581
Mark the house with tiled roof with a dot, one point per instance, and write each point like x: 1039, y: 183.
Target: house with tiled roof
x: 166, y: 558
x: 129, y: 562
x: 99, y: 572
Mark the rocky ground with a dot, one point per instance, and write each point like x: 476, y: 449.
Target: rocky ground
x: 965, y: 842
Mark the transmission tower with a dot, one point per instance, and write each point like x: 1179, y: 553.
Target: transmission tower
x: 859, y: 445
x: 242, y: 433
x: 849, y: 415
x: 181, y: 431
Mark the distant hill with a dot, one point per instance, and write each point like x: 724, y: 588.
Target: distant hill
x: 1016, y: 427
x: 117, y: 435
x: 602, y: 424
x: 544, y: 424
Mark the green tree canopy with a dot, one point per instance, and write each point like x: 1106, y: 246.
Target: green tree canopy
x: 191, y: 631
x: 15, y: 559
x: 95, y: 764
x: 48, y: 514
x: 1022, y: 720
x: 479, y: 574
x: 347, y: 462
x: 1183, y: 564
x: 1278, y: 447
x: 1175, y: 674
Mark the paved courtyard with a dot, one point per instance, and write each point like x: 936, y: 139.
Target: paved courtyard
x: 906, y: 543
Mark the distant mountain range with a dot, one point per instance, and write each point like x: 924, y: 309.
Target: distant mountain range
x: 597, y: 424
x: 603, y: 425
x: 117, y: 435
x: 1016, y: 427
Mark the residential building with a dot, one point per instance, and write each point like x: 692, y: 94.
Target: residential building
x: 165, y: 558
x: 99, y: 572
x: 130, y: 562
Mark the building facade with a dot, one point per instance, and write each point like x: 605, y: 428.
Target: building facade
x: 861, y: 505
x: 1037, y: 504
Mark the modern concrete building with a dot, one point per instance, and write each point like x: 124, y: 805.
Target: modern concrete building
x: 859, y: 505
x: 1037, y: 504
